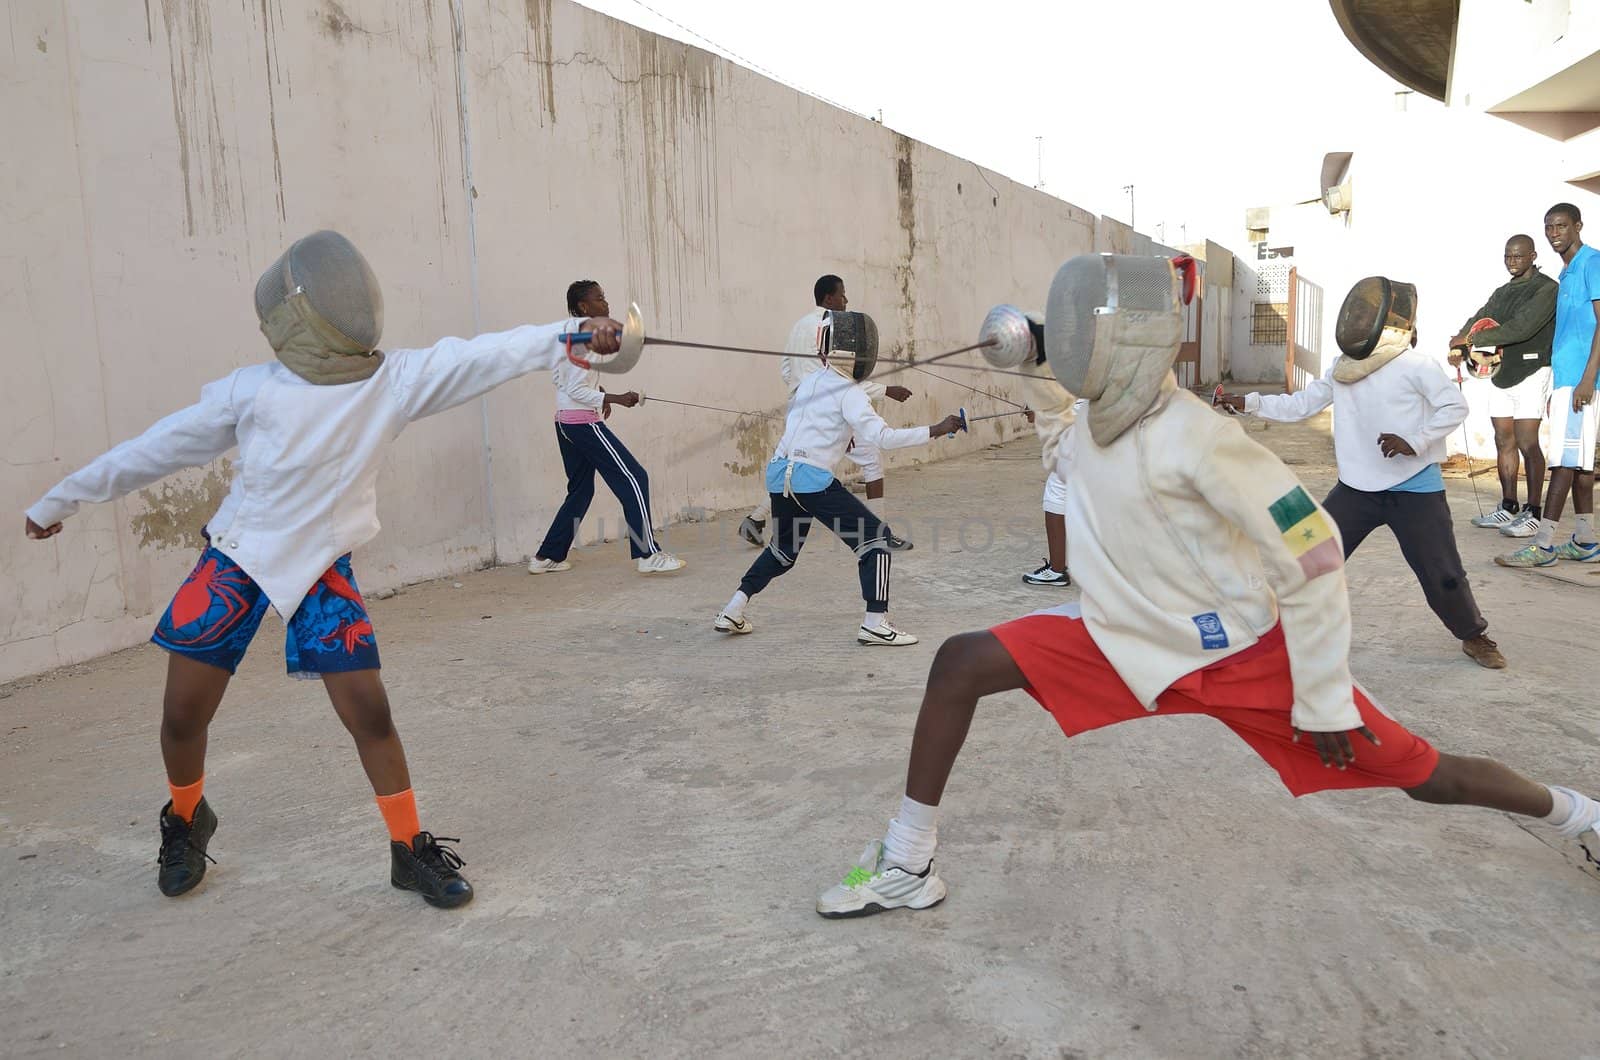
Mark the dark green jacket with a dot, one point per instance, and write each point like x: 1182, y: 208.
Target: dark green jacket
x: 1526, y: 310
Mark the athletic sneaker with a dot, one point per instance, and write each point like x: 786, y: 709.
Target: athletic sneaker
x: 431, y: 870
x: 726, y: 623
x: 183, y: 854
x: 886, y: 635
x: 751, y: 530
x: 1528, y: 556
x: 1572, y: 550
x: 1497, y: 518
x: 1526, y: 524
x: 894, y: 543
x: 660, y: 563
x: 873, y: 887
x: 547, y: 566
x: 1044, y: 575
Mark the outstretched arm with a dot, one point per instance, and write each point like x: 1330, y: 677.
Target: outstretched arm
x: 1304, y: 564
x: 454, y: 370
x: 1290, y: 408
x: 869, y: 427
x: 187, y: 438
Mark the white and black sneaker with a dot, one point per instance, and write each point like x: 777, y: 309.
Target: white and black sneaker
x: 884, y: 634
x: 752, y: 531
x: 1044, y: 575
x: 873, y: 887
x: 726, y: 623
x: 1526, y: 524
x: 1501, y: 516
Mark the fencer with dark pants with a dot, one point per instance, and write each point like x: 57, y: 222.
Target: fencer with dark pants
x: 850, y: 520
x: 1422, y: 526
x: 585, y: 449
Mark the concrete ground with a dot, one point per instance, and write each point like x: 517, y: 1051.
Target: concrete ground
x: 648, y: 810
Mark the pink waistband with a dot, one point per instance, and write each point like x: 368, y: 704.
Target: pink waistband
x: 577, y: 416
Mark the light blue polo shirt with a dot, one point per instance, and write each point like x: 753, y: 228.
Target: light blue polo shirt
x: 1580, y: 289
x: 1429, y: 480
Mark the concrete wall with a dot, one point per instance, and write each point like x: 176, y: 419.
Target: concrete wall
x: 482, y: 155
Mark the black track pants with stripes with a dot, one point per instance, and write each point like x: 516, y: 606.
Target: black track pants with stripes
x: 585, y: 449
x: 850, y: 520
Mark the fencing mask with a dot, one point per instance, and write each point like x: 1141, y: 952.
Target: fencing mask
x: 1112, y: 328
x: 1375, y: 326
x: 321, y: 309
x: 850, y: 343
x: 1015, y: 337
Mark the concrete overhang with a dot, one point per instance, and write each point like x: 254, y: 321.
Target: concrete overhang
x: 1561, y: 106
x: 1410, y: 40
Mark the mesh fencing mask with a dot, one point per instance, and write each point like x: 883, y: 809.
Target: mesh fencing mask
x: 1112, y: 328
x: 322, y: 311
x: 850, y: 344
x: 1014, y: 342
x: 1375, y: 325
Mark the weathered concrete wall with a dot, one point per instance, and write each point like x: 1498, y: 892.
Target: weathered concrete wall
x: 483, y: 155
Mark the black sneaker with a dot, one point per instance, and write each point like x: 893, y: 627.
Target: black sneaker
x: 183, y: 854
x: 1044, y: 575
x: 751, y: 530
x: 430, y: 870
x: 895, y: 543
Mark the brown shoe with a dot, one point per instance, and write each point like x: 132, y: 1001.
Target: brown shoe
x: 1484, y: 652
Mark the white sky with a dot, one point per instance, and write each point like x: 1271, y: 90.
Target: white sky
x: 1207, y: 107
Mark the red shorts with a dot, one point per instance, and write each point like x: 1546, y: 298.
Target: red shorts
x: 1251, y: 693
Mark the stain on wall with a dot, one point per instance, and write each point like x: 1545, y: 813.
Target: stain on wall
x: 541, y: 50
x: 202, y: 147
x: 906, y: 196
x: 176, y: 510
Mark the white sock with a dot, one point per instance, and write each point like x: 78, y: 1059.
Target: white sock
x: 1573, y: 813
x: 1585, y: 532
x: 912, y: 836
x: 735, y: 608
x: 1547, y: 533
x: 875, y: 620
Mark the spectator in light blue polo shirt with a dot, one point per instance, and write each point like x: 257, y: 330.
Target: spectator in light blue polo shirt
x: 1574, y: 415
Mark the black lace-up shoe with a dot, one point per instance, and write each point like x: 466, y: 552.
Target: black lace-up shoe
x: 429, y: 869
x: 183, y: 854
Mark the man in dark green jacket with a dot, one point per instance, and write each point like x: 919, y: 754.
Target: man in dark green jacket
x: 1524, y: 312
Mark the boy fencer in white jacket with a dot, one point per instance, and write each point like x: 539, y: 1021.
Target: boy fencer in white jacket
x: 311, y: 429
x: 1392, y: 410
x: 829, y: 408
x: 1212, y: 584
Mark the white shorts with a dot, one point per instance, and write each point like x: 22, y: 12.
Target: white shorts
x: 1055, y: 495
x: 1525, y: 401
x: 868, y: 459
x: 1572, y: 434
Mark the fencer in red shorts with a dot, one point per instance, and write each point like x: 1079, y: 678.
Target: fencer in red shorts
x: 1211, y: 584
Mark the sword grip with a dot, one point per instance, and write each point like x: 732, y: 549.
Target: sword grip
x: 963, y: 414
x: 576, y: 338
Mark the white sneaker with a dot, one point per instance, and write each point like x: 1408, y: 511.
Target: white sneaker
x: 1045, y: 575
x: 885, y: 634
x: 1581, y: 836
x: 726, y: 623
x: 1524, y: 525
x: 873, y: 887
x: 753, y: 531
x: 660, y: 563
x: 1497, y: 518
x: 547, y: 566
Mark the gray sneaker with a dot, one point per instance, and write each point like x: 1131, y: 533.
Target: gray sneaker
x: 1497, y: 518
x: 1526, y: 524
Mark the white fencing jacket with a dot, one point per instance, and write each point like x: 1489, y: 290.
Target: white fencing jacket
x: 1410, y: 396
x: 304, y: 487
x: 805, y: 342
x: 577, y: 388
x: 1190, y: 541
x: 1053, y: 410
x: 826, y: 411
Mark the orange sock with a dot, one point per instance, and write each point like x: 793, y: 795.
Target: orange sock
x: 400, y: 814
x: 186, y: 798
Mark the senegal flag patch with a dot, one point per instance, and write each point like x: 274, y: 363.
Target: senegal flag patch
x: 1306, y: 532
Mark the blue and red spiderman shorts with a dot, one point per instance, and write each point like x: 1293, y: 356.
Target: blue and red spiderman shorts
x: 219, y: 607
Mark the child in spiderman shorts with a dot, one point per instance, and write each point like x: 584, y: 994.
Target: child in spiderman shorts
x: 310, y: 430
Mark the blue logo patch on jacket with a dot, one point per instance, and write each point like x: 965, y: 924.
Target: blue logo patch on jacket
x: 1212, y: 635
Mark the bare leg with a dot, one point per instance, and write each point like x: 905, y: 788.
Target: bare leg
x: 1555, y: 501
x: 1055, y: 535
x: 362, y: 704
x: 1482, y: 782
x: 1507, y: 456
x: 967, y: 667
x: 1527, y: 439
x: 194, y: 691
x: 1583, y: 493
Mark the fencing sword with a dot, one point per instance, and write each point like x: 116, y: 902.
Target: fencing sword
x: 643, y: 398
x: 1466, y: 445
